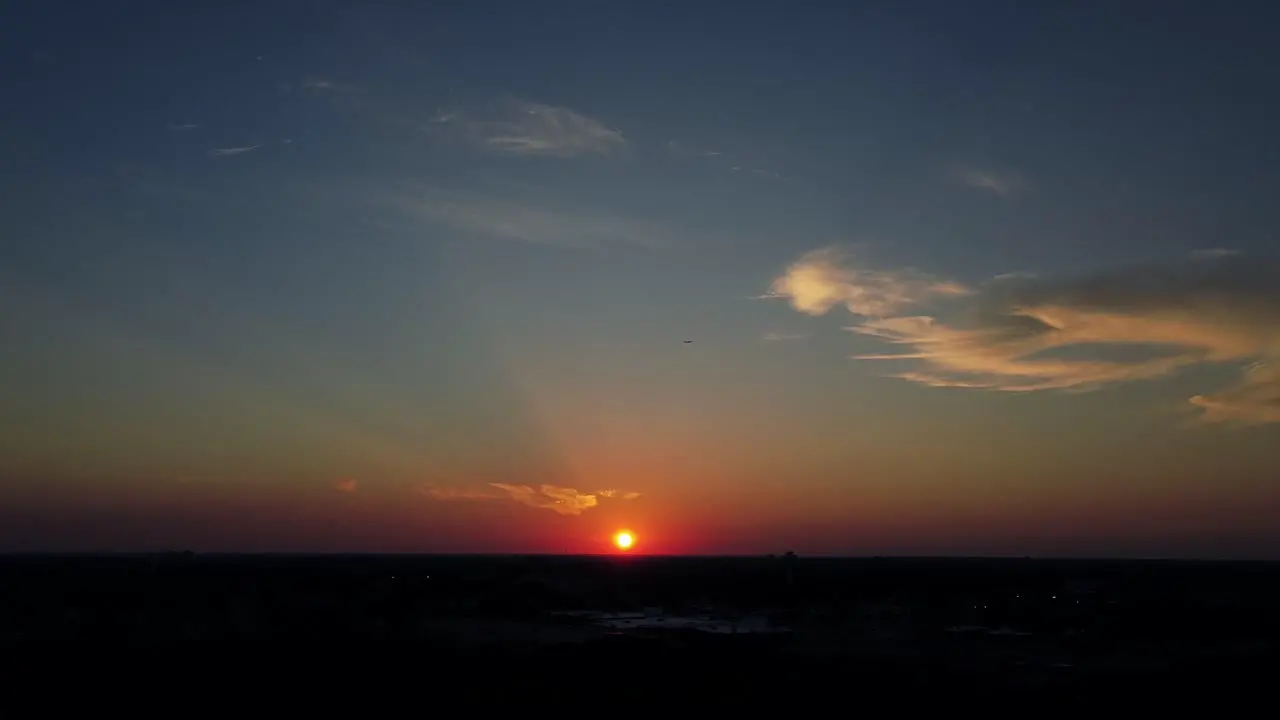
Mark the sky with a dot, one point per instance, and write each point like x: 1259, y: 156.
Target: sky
x: 984, y: 278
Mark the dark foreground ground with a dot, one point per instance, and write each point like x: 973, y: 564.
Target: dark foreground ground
x: 460, y: 634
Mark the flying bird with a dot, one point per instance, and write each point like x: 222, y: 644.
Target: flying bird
x: 686, y: 342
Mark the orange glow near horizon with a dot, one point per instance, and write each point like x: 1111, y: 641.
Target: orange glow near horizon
x: 624, y: 540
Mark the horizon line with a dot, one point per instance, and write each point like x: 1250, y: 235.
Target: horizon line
x: 622, y: 555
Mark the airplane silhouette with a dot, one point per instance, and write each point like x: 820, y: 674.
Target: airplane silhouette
x: 686, y: 342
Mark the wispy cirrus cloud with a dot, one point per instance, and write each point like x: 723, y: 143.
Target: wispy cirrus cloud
x: 316, y: 84
x: 750, y: 163
x: 998, y: 183
x: 727, y: 161
x: 824, y: 278
x: 1213, y: 253
x: 561, y: 500
x: 1031, y: 334
x: 522, y: 221
x: 313, y: 85
x: 1014, y: 275
x: 518, y: 127
x: 224, y: 152
x: 1255, y: 400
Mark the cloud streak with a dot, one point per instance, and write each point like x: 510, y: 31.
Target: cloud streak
x: 999, y: 184
x: 683, y: 151
x: 534, y: 129
x: 560, y: 500
x: 523, y: 222
x: 1213, y: 253
x: 1029, y: 334
x: 224, y: 152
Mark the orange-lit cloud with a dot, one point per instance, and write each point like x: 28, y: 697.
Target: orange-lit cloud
x: 822, y: 279
x: 562, y: 500
x: 619, y: 494
x: 1029, y: 334
x: 1255, y: 400
x: 345, y: 485
x: 565, y: 501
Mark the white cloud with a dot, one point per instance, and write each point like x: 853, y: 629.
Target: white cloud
x: 1015, y: 275
x: 773, y: 337
x: 1084, y: 333
x: 822, y: 279
x: 536, y: 129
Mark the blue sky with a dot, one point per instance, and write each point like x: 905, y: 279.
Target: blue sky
x: 431, y: 251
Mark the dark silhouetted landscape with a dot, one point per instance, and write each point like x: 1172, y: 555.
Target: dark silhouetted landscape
x: 724, y: 632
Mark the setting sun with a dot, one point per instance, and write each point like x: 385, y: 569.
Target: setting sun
x: 624, y: 540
